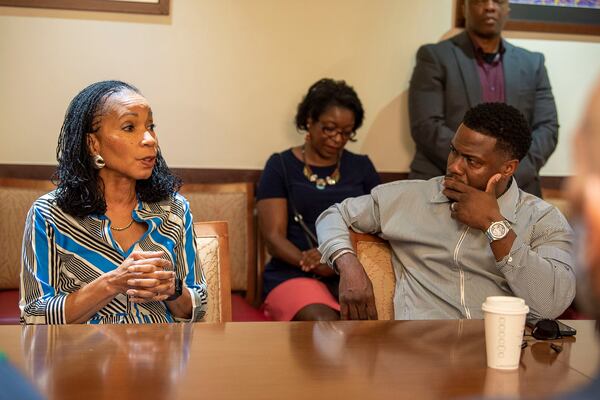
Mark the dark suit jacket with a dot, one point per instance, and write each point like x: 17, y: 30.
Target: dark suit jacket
x: 445, y: 84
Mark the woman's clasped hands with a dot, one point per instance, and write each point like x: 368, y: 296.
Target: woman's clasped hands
x: 311, y: 262
x: 145, y: 277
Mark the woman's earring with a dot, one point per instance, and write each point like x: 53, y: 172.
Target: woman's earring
x: 98, y: 161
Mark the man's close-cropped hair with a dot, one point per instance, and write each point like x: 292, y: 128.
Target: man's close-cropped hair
x: 326, y: 93
x: 79, y: 187
x: 503, y: 122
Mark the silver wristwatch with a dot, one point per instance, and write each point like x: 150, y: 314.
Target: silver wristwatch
x: 497, y: 230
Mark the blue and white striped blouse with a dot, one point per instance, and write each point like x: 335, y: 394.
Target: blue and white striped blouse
x: 62, y: 253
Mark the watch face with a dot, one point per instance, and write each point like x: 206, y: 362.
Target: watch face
x: 498, y: 230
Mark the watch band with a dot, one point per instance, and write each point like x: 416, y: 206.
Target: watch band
x: 178, y: 290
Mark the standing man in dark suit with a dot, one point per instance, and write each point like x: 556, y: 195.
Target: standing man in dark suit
x: 472, y: 67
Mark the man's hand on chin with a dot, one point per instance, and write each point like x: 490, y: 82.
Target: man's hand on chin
x: 473, y: 207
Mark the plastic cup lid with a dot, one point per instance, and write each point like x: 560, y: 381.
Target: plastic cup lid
x: 505, y: 305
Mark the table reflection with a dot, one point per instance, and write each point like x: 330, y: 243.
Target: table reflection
x: 437, y: 344
x: 106, y: 360
x: 421, y: 357
x: 435, y: 358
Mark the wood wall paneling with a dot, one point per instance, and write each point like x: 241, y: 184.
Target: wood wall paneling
x: 214, y: 175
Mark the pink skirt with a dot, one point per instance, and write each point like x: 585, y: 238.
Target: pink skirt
x: 291, y: 296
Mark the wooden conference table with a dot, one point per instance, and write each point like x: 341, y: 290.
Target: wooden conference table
x: 304, y: 360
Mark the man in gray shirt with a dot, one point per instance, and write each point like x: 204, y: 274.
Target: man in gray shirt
x: 459, y: 238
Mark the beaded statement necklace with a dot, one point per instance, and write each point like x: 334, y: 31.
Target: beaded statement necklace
x: 321, y: 183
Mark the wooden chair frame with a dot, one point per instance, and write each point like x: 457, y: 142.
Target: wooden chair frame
x: 33, y: 184
x: 356, y: 237
x: 262, y: 257
x: 219, y: 230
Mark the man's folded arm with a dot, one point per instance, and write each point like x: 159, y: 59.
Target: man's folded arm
x: 359, y: 213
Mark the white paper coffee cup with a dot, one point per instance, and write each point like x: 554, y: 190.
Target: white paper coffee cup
x: 504, y: 326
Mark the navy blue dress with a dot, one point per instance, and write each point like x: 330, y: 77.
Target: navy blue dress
x: 357, y: 177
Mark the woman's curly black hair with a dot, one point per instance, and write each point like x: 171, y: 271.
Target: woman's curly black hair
x: 324, y: 94
x: 80, y: 190
x: 503, y: 122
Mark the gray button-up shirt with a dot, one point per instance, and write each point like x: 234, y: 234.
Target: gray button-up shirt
x: 445, y: 269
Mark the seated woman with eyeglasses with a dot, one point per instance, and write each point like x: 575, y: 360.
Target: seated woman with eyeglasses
x: 114, y: 243
x: 295, y: 187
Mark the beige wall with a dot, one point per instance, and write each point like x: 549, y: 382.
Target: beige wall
x: 224, y: 76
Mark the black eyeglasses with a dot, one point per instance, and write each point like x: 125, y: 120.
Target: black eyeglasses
x: 546, y: 329
x: 332, y: 132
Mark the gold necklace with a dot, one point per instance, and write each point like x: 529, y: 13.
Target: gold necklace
x: 114, y: 228
x: 321, y: 183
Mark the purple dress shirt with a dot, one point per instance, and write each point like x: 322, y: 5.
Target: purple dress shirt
x: 491, y: 74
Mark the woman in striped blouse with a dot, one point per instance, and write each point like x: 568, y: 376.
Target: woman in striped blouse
x: 114, y: 243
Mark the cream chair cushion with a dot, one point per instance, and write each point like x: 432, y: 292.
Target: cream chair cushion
x: 376, y: 257
x: 231, y: 202
x: 16, y: 198
x: 212, y: 246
